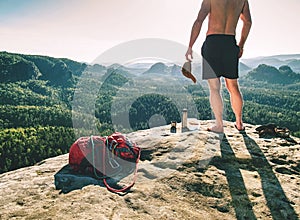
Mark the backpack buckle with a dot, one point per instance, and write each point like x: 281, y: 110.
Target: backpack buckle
x: 113, y: 163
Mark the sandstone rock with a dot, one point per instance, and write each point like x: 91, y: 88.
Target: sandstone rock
x: 191, y: 175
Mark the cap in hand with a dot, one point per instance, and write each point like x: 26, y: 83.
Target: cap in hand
x: 187, y: 71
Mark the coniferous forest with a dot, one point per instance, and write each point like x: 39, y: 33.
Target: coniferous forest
x: 44, y: 108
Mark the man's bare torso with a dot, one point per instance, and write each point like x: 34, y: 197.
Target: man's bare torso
x: 224, y: 16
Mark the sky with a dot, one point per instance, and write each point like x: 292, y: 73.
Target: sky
x: 83, y: 29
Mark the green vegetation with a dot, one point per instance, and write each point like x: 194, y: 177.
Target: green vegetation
x: 37, y: 94
x: 35, y: 110
x: 25, y: 146
x: 283, y: 75
x: 148, y: 105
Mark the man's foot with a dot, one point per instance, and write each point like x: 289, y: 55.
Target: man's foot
x: 240, y: 128
x: 216, y: 129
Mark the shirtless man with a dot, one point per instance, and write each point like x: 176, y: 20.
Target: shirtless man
x: 221, y: 53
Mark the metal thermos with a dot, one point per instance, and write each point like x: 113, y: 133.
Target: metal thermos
x: 184, y: 118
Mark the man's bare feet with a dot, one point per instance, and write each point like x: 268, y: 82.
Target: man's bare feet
x: 216, y: 129
x: 239, y: 126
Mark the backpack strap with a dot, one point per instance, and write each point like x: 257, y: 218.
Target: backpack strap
x: 93, y: 160
x: 104, y: 169
x: 125, y: 188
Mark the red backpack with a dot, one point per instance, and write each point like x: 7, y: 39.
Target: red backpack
x: 105, y: 157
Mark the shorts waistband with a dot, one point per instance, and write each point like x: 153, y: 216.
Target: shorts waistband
x: 221, y: 35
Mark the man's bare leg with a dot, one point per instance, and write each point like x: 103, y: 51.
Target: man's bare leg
x: 216, y: 103
x: 236, y: 101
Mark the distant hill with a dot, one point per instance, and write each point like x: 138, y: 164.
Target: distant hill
x: 243, y: 69
x: 175, y: 69
x: 128, y: 69
x: 270, y: 74
x: 255, y: 62
x: 292, y: 60
x: 164, y: 69
x: 14, y: 68
x: 159, y: 68
x: 295, y: 65
x: 286, y: 56
x: 140, y: 65
x: 58, y: 71
x: 172, y: 69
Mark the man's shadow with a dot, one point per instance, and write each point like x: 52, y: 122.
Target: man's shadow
x: 279, y: 205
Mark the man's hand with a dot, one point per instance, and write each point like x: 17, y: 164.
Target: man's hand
x: 241, y: 52
x: 189, y: 54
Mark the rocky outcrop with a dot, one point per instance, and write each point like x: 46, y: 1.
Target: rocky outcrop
x: 190, y: 175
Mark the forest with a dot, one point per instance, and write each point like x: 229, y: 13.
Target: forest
x: 39, y: 102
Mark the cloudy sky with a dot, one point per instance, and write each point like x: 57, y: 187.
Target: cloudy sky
x: 83, y: 29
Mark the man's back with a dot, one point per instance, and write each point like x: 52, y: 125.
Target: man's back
x: 224, y: 15
x: 223, y: 19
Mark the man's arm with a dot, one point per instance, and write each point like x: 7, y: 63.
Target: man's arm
x: 247, y: 22
x: 204, y: 11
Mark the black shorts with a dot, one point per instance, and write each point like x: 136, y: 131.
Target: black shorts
x: 220, y: 57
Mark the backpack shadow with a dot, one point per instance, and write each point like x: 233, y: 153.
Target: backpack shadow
x: 66, y: 180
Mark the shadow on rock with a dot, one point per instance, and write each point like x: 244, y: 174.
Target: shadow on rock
x: 277, y: 201
x: 67, y: 180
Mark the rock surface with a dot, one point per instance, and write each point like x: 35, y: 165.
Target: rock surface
x: 190, y: 175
